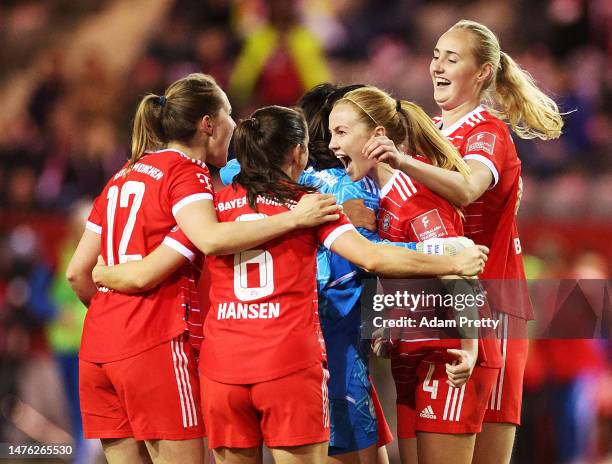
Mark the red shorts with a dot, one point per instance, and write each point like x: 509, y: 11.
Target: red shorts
x: 289, y: 411
x: 385, y: 436
x: 153, y: 395
x: 505, y: 402
x: 441, y: 408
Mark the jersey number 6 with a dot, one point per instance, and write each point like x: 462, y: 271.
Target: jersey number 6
x: 260, y: 258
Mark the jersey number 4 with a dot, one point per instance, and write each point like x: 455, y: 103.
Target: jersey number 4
x: 137, y: 189
x: 259, y: 259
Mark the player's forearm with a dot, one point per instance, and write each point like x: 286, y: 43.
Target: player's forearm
x: 448, y: 184
x: 391, y: 261
x: 226, y: 238
x: 130, y: 277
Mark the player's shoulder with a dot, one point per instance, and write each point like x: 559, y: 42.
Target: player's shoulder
x: 172, y: 158
x: 487, y: 122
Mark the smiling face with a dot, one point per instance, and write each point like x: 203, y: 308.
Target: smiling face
x: 456, y: 76
x: 349, y: 134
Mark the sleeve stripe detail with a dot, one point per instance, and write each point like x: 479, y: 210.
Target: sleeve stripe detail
x: 179, y: 247
x: 190, y: 199
x: 488, y: 163
x: 337, y: 232
x: 93, y: 227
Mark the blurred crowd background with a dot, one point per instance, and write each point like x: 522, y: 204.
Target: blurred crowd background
x: 73, y: 72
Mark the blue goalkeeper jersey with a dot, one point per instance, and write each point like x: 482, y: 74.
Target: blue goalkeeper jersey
x: 338, y: 280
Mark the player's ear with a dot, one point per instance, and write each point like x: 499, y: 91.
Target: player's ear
x: 380, y: 130
x: 485, y: 72
x: 206, y: 125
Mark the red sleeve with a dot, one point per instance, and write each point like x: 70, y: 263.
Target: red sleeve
x: 189, y: 182
x: 327, y: 233
x: 435, y: 218
x: 94, y: 221
x: 179, y: 242
x: 486, y: 143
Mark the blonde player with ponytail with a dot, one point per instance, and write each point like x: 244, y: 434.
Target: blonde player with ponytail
x: 426, y: 370
x: 481, y: 90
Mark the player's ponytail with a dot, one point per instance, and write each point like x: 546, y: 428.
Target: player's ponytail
x: 424, y: 138
x: 511, y: 93
x: 407, y: 125
x: 175, y: 115
x: 146, y: 130
x: 530, y: 112
x: 262, y: 144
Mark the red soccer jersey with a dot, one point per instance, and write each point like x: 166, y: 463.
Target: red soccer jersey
x: 410, y: 212
x: 134, y: 214
x: 490, y: 220
x: 263, y: 320
x: 193, y: 302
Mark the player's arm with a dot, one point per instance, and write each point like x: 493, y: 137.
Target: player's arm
x: 198, y: 220
x: 391, y: 261
x: 78, y: 272
x: 142, y: 275
x: 453, y: 186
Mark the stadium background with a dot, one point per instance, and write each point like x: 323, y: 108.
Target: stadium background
x: 72, y: 73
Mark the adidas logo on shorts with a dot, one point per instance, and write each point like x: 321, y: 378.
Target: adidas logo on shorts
x: 428, y: 413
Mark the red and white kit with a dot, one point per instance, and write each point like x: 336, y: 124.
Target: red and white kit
x: 411, y: 212
x: 263, y: 351
x: 134, y: 214
x: 491, y: 221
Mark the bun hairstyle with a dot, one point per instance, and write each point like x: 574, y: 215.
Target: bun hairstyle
x: 511, y: 93
x: 263, y: 144
x: 174, y: 116
x: 407, y: 125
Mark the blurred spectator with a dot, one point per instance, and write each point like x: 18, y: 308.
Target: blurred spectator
x: 278, y: 62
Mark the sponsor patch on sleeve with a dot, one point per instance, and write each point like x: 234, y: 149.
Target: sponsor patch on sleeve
x: 483, y: 141
x: 428, y: 225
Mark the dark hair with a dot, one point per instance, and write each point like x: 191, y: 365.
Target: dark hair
x: 317, y: 103
x: 262, y: 144
x: 174, y: 115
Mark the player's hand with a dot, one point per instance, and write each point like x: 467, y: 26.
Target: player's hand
x: 359, y: 214
x: 382, y: 149
x: 96, y: 273
x: 381, y: 345
x: 471, y: 261
x: 460, y: 370
x: 314, y: 209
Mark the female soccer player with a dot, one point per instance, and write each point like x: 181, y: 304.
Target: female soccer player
x: 261, y: 365
x: 478, y: 87
x: 355, y: 433
x: 411, y: 212
x: 123, y: 400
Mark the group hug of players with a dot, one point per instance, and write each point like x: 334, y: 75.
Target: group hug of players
x: 276, y: 357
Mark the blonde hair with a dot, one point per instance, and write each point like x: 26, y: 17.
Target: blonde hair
x: 511, y: 92
x: 174, y: 115
x: 406, y: 124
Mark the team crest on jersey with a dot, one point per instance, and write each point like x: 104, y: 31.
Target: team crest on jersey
x: 483, y: 141
x: 386, y: 222
x: 428, y: 225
